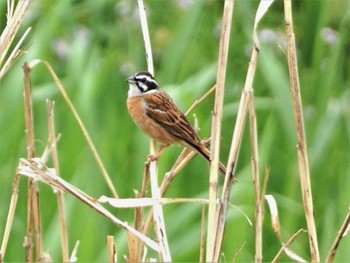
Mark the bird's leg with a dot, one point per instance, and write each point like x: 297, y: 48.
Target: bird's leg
x: 154, y: 157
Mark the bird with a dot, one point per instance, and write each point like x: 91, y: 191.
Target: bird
x: 156, y: 114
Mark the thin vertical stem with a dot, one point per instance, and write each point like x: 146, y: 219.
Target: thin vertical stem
x: 34, y: 220
x: 153, y: 168
x: 212, y: 247
x: 304, y: 170
x: 60, y: 197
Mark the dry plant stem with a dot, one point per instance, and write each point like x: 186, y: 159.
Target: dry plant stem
x: 36, y: 168
x: 33, y: 217
x: 300, y: 130
x: 212, y: 242
x: 14, y: 54
x: 199, y: 101
x: 60, y: 197
x: 256, y: 179
x: 146, y: 38
x: 239, y: 126
x: 112, y: 252
x: 157, y: 208
x: 10, y: 217
x: 14, y: 20
x: 238, y: 132
x: 133, y: 247
x: 221, y: 218
x: 139, y: 217
x: 344, y: 228
x: 259, y: 215
x: 202, y: 244
x: 81, y: 125
x: 158, y: 216
x: 286, y: 245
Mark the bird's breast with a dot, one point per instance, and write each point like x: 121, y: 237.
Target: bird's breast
x: 146, y: 124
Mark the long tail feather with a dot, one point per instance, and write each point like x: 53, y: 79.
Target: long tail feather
x: 206, y: 154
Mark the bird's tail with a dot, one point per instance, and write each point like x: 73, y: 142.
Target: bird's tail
x: 206, y: 154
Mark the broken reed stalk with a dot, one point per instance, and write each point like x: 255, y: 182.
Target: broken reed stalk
x: 34, y: 227
x: 259, y: 194
x: 60, y: 197
x: 259, y: 203
x: 10, y: 217
x: 156, y: 193
x: 259, y: 217
x: 14, y: 19
x: 303, y: 162
x: 213, y: 244
x: 341, y: 233
x: 284, y: 248
x: 112, y: 252
x: 202, y: 242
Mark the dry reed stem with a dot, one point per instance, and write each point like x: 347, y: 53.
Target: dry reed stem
x: 157, y: 209
x: 60, y: 197
x: 202, y: 242
x: 341, y: 233
x: 284, y: 249
x: 146, y: 38
x: 16, y: 52
x: 133, y: 249
x: 80, y: 123
x: 36, y: 168
x: 259, y: 198
x: 304, y: 170
x: 34, y: 228
x: 196, y: 103
x: 14, y: 20
x: 139, y: 218
x: 238, y: 133
x: 277, y: 229
x: 259, y: 218
x: 148, y: 201
x: 256, y: 179
x: 212, y: 240
x: 10, y: 217
x: 112, y: 252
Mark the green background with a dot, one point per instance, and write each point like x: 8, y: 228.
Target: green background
x: 94, y: 46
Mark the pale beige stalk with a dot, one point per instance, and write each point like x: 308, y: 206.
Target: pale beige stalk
x: 304, y: 170
x: 153, y: 168
x: 212, y: 248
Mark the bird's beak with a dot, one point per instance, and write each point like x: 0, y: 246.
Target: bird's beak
x: 130, y: 80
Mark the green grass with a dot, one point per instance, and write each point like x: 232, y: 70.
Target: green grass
x: 102, y: 45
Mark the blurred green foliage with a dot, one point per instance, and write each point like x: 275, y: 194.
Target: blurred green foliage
x: 94, y: 45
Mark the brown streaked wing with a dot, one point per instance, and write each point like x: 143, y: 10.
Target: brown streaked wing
x: 161, y: 108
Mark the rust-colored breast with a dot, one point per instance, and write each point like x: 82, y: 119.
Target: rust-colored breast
x: 146, y: 124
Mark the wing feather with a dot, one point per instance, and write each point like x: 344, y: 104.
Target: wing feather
x: 161, y: 108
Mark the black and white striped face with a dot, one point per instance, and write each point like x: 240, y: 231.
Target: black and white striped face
x: 141, y: 83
